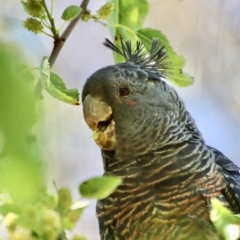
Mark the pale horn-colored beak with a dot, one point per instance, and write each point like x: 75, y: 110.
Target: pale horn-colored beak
x: 98, y: 116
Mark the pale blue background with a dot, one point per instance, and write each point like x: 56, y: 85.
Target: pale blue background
x: 206, y: 32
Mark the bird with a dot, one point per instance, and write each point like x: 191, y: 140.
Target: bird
x: 149, y: 140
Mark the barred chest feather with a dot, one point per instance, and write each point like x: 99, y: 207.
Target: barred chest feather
x: 161, y: 199
x: 149, y: 139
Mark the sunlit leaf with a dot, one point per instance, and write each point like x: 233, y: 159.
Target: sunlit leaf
x: 129, y: 13
x: 176, y: 73
x: 58, y: 90
x: 20, y: 167
x: 55, y: 86
x: 79, y: 204
x: 99, y: 187
x: 128, y: 16
x: 225, y: 221
x: 71, y: 12
x: 71, y: 218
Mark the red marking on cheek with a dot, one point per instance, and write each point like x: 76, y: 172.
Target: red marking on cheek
x: 133, y: 103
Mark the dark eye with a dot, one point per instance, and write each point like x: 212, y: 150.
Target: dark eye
x: 123, y: 92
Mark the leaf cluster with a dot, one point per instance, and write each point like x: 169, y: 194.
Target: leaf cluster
x: 126, y: 23
x: 41, y: 18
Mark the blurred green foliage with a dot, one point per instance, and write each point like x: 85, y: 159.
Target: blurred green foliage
x: 29, y: 211
x: 20, y: 167
x: 174, y: 71
x: 225, y: 221
x: 99, y: 187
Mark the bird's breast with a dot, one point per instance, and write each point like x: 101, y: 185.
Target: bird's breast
x: 163, y: 197
x: 143, y: 211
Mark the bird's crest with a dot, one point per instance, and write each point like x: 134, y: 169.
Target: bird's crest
x: 156, y: 62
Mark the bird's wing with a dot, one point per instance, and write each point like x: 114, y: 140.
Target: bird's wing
x: 225, y: 162
x: 232, y: 176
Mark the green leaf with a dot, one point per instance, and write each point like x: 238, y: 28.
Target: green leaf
x: 25, y: 7
x: 225, y: 221
x: 70, y: 13
x: 58, y: 90
x: 71, y: 217
x: 55, y: 86
x: 45, y: 72
x: 70, y: 220
x: 125, y: 34
x: 176, y: 73
x: 127, y: 17
x: 99, y: 187
x: 129, y: 13
x: 95, y: 134
x: 64, y: 200
x: 19, y: 164
x: 9, y: 207
x: 79, y: 237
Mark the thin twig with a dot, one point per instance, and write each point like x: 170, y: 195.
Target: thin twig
x: 51, y: 9
x: 45, y: 23
x: 49, y: 35
x: 53, y: 28
x: 59, y: 42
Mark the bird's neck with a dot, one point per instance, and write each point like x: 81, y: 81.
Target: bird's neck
x: 166, y: 166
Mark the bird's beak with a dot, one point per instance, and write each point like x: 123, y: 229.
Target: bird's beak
x: 98, y: 116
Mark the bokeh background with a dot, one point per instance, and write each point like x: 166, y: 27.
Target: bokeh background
x: 206, y: 33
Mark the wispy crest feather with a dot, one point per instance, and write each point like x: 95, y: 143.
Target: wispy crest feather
x: 156, y: 63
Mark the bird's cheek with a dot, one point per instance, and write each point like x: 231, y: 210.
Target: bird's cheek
x: 132, y: 103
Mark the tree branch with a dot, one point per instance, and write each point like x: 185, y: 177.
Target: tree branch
x: 53, y: 28
x: 59, y: 42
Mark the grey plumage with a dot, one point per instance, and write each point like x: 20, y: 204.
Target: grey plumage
x: 150, y: 140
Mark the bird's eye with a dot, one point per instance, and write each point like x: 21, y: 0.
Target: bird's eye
x: 123, y: 92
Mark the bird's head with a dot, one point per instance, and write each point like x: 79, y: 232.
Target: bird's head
x: 128, y: 104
